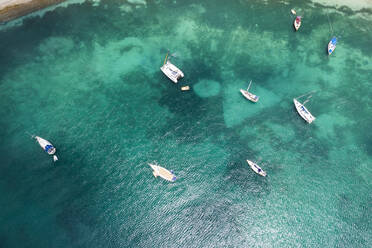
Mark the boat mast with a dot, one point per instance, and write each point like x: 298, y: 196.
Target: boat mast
x: 305, y: 94
x: 165, y: 60
x: 249, y: 85
x: 308, y: 99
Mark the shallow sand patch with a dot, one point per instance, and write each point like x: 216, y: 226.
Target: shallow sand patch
x: 236, y: 109
x: 207, y: 88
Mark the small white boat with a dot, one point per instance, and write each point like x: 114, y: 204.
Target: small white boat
x: 256, y: 168
x: 163, y: 173
x: 293, y: 11
x: 171, y: 71
x: 47, y: 146
x: 185, y: 88
x: 332, y: 45
x: 297, y: 23
x: 249, y: 95
x: 303, y: 111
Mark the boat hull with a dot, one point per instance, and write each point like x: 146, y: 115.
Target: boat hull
x: 296, y: 25
x: 251, y: 97
x: 163, y: 173
x: 303, y: 112
x: 256, y: 168
x: 332, y: 46
x: 46, y: 145
x: 172, y: 72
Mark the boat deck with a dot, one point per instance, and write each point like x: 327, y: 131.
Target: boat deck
x: 172, y: 72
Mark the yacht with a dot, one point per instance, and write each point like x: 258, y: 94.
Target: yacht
x: 47, y: 147
x: 297, y: 23
x: 249, y: 95
x: 171, y: 71
x: 163, y: 173
x: 332, y: 45
x: 303, y: 111
x: 256, y: 168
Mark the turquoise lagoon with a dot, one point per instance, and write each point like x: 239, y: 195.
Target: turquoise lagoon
x: 86, y: 77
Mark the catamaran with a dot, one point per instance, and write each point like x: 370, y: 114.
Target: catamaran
x: 163, y: 173
x: 297, y: 23
x: 332, y: 45
x: 248, y: 94
x: 256, y: 168
x: 47, y: 146
x: 171, y: 71
x: 302, y: 110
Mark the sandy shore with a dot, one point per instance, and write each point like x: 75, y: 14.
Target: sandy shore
x: 11, y: 9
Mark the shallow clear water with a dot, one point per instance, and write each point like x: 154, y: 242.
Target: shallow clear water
x: 86, y: 77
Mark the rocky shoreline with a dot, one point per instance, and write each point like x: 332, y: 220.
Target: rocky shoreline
x: 12, y: 9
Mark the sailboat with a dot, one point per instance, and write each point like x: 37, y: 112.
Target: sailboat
x: 47, y: 146
x: 332, y: 45
x: 256, y: 168
x: 302, y: 110
x: 171, y: 71
x: 162, y: 172
x: 297, y: 23
x: 249, y: 95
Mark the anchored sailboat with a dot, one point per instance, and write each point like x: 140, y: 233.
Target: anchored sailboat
x: 171, y: 71
x: 249, y: 95
x: 302, y: 110
x: 297, y: 23
x: 256, y: 168
x: 332, y: 45
x: 47, y: 146
x: 163, y: 173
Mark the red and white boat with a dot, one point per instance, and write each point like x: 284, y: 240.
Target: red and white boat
x: 297, y: 23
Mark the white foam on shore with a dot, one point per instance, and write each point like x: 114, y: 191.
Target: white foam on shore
x: 355, y: 5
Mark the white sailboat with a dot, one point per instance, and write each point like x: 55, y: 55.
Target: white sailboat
x: 171, y: 71
x: 47, y: 146
x: 163, y: 173
x: 302, y: 110
x: 332, y: 45
x: 256, y: 168
x: 333, y: 42
x: 249, y: 95
x: 297, y: 23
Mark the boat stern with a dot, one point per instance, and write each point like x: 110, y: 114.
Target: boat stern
x: 50, y: 149
x: 332, y: 45
x: 174, y: 178
x: 172, y: 72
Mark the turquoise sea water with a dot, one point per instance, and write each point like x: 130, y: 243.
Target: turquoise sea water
x: 86, y: 77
